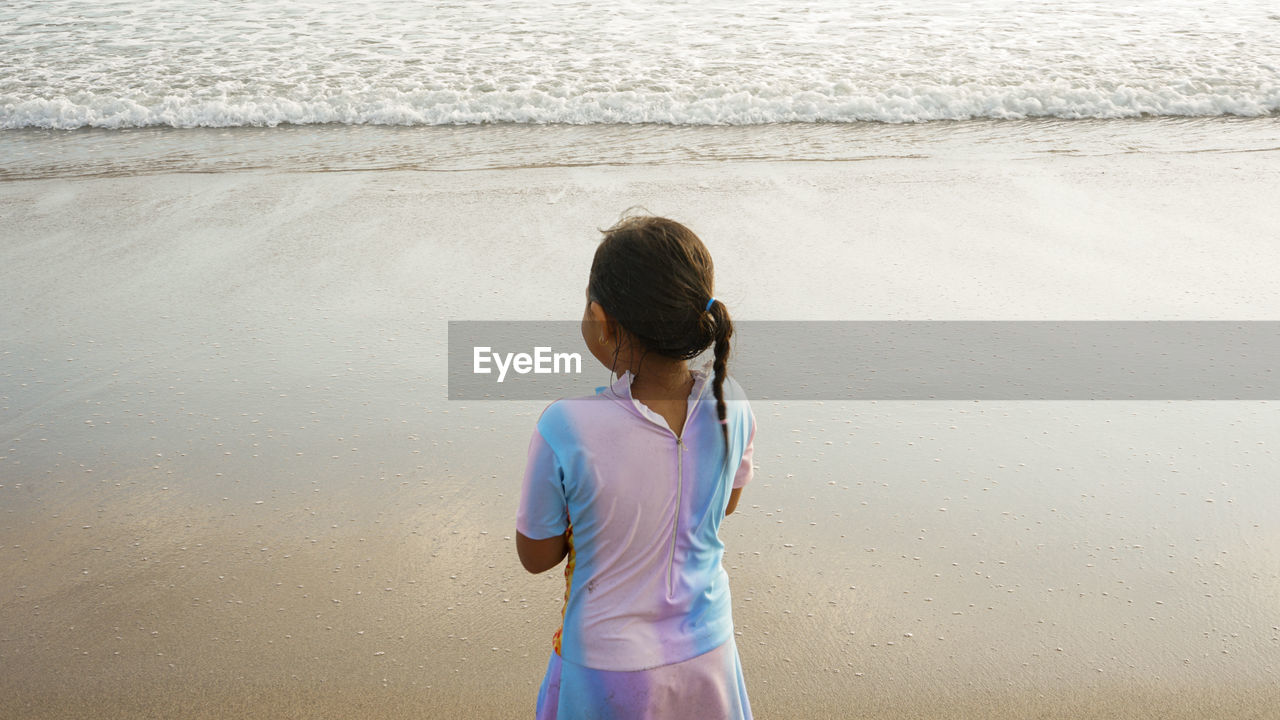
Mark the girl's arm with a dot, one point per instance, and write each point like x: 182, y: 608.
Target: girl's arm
x: 541, y: 555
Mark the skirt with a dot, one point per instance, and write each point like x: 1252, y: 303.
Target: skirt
x: 709, y: 686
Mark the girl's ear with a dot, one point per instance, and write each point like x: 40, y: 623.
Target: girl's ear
x: 603, y: 320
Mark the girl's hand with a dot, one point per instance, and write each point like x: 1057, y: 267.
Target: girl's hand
x: 733, y: 501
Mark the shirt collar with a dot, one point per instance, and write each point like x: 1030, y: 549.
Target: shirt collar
x: 620, y: 391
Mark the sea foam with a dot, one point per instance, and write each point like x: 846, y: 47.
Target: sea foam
x: 734, y: 107
x: 79, y: 63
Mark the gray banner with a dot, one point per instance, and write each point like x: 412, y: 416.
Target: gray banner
x: 907, y: 360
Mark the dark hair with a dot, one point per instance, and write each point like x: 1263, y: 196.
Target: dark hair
x: 655, y: 277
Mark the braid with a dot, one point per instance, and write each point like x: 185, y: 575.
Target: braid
x: 723, y: 331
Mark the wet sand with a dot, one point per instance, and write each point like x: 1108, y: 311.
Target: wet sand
x: 231, y: 484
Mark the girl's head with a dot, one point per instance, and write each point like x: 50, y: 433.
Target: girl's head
x: 653, y: 277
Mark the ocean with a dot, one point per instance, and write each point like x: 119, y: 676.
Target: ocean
x: 89, y: 87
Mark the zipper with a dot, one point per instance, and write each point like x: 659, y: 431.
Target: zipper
x: 675, y: 522
x: 680, y: 449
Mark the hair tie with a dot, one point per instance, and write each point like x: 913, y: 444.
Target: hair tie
x: 724, y: 421
x: 710, y: 302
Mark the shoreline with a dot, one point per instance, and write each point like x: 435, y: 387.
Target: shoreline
x: 32, y: 153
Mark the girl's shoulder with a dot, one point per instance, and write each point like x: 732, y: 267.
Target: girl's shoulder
x: 733, y: 390
x: 568, y: 412
x: 738, y: 408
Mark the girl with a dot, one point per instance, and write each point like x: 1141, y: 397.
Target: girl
x: 631, y: 485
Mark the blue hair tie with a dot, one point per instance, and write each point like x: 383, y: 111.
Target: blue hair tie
x: 710, y: 302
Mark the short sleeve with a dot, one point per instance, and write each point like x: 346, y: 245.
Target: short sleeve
x: 745, y: 469
x: 543, y: 512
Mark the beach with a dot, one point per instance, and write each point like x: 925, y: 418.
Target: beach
x: 232, y: 484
